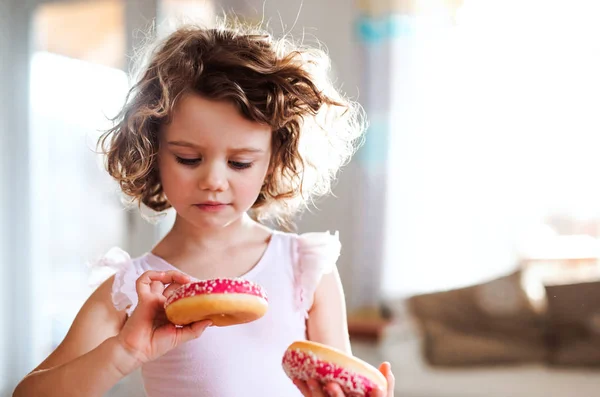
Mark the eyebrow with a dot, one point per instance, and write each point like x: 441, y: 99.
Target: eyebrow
x: 235, y: 150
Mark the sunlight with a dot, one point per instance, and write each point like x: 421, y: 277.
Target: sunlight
x: 496, y: 129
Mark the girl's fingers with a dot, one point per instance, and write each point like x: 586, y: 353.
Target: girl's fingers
x: 303, y: 387
x: 193, y: 330
x: 156, y: 287
x: 378, y: 393
x: 150, y: 287
x: 169, y: 290
x: 386, y: 370
x: 144, y: 282
x: 178, y: 277
x: 334, y: 390
x: 316, y: 389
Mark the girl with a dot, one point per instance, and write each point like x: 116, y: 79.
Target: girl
x: 232, y: 129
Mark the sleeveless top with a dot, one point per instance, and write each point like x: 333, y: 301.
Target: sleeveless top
x: 245, y: 359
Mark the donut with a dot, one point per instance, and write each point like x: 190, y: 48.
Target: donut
x: 306, y: 360
x: 224, y: 301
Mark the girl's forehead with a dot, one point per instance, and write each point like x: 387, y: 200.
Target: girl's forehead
x: 199, y: 118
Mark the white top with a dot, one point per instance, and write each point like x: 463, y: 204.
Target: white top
x: 245, y: 359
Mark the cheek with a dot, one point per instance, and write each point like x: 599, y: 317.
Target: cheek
x: 250, y: 185
x: 173, y: 177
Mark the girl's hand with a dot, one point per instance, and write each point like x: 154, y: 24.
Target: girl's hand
x: 148, y: 334
x: 313, y: 388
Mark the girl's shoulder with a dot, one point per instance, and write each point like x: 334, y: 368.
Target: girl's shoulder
x: 324, y: 246
x: 312, y: 251
x: 126, y: 270
x: 313, y: 255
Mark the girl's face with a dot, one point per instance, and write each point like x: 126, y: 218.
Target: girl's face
x: 212, y: 161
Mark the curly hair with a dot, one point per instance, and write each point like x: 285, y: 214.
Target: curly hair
x: 315, y: 129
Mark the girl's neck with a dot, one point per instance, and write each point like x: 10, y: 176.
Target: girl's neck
x: 185, y: 237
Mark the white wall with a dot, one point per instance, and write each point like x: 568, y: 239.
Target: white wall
x: 4, y: 42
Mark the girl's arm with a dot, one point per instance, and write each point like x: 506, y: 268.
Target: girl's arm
x: 92, y: 374
x: 90, y: 360
x: 103, y: 345
x: 327, y: 322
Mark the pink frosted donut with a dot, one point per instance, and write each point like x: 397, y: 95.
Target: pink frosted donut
x: 306, y: 360
x: 223, y: 301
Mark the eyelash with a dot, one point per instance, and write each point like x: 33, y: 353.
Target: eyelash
x: 237, y: 165
x: 189, y: 162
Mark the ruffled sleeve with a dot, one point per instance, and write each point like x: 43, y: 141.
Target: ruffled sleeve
x: 118, y: 262
x: 315, y: 254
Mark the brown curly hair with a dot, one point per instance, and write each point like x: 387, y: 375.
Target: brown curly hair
x: 315, y: 130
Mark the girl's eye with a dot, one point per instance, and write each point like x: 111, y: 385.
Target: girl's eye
x: 239, y: 165
x: 183, y: 161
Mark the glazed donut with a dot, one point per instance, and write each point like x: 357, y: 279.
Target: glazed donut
x: 223, y: 301
x: 306, y: 360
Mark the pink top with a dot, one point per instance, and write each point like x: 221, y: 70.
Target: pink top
x: 240, y: 360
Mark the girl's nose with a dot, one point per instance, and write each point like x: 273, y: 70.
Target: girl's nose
x: 214, y: 177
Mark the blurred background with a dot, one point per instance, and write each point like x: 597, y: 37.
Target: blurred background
x: 469, y: 220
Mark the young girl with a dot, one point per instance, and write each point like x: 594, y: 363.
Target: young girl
x: 230, y: 128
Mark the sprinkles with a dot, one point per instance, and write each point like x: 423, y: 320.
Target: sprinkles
x: 305, y: 365
x: 217, y: 286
